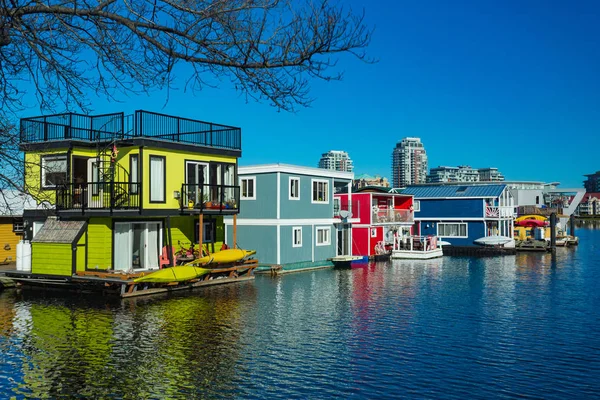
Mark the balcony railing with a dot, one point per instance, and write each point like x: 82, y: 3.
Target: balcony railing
x: 390, y: 215
x: 142, y: 124
x: 219, y: 198
x: 98, y: 196
x: 499, y: 212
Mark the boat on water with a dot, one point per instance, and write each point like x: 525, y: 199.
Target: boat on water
x: 224, y: 257
x: 496, y: 241
x: 180, y: 273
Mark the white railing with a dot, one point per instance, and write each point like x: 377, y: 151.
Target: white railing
x: 415, y: 243
x: 499, y: 212
x: 383, y: 215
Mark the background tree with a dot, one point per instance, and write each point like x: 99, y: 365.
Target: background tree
x: 269, y: 49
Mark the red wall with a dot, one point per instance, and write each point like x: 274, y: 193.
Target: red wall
x: 360, y: 241
x: 374, y: 240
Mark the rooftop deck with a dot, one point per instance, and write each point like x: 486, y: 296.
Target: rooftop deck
x: 106, y: 128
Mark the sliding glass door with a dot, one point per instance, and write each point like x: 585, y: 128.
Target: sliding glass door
x: 137, y: 245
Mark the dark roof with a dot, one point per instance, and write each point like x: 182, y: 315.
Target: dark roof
x: 445, y: 191
x: 55, y: 231
x: 380, y: 189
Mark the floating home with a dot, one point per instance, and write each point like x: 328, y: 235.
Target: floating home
x: 12, y: 203
x: 460, y: 214
x: 379, y: 215
x: 120, y: 188
x: 287, y: 215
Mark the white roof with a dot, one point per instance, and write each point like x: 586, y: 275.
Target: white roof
x: 294, y: 169
x: 13, y: 202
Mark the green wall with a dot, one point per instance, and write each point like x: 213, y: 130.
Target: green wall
x: 52, y: 259
x: 99, y: 243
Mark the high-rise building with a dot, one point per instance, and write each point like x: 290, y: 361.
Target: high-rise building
x: 490, y: 175
x: 463, y: 173
x: 592, y: 183
x: 409, y: 162
x: 336, y: 160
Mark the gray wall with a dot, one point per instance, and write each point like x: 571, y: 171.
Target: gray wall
x: 265, y: 205
x: 263, y: 239
x: 304, y: 208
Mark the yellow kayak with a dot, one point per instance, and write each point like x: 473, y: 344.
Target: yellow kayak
x: 225, y: 256
x: 531, y: 216
x: 180, y: 273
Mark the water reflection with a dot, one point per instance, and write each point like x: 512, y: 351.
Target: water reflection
x: 169, y: 348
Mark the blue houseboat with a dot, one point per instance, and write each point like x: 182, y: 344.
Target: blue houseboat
x: 461, y: 214
x: 287, y: 215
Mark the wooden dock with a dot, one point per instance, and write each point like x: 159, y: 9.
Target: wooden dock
x: 124, y: 286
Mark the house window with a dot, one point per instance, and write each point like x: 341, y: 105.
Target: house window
x: 18, y: 225
x: 248, y: 188
x: 320, y: 191
x: 157, y: 179
x: 208, y: 231
x: 373, y: 232
x: 133, y: 174
x: 54, y: 171
x: 297, y: 236
x: 294, y: 188
x: 452, y: 230
x: 323, y: 236
x: 416, y: 205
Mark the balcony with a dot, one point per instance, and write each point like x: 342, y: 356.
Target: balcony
x: 107, y: 128
x: 98, y: 196
x: 391, y: 215
x: 222, y: 199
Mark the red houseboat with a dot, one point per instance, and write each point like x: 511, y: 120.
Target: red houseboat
x: 378, y: 215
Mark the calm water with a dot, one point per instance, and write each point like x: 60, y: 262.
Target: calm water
x: 521, y: 326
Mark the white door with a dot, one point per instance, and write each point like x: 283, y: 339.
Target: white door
x: 196, y: 175
x: 95, y: 190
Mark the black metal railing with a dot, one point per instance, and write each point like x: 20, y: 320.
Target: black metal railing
x: 110, y: 127
x: 210, y: 197
x: 98, y: 196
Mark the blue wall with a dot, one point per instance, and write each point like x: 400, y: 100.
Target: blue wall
x: 265, y: 205
x: 263, y: 239
x: 304, y: 208
x: 450, y: 208
x: 475, y: 230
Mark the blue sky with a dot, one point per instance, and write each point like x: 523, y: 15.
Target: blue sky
x: 508, y: 84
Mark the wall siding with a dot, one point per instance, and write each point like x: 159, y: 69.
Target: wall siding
x: 81, y: 261
x: 450, y: 208
x: 304, y: 208
x: 8, y: 240
x: 322, y: 253
x: 290, y: 254
x: 265, y: 205
x: 99, y: 243
x: 263, y: 239
x: 52, y: 259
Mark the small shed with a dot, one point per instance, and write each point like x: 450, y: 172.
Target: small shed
x: 59, y: 248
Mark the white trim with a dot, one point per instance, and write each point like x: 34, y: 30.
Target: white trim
x: 250, y: 178
x: 44, y: 168
x: 312, y: 241
x: 323, y: 228
x: 415, y: 207
x: 294, y: 169
x: 294, y: 228
x: 278, y: 195
x: 293, y: 178
x: 403, y: 224
x: 282, y: 222
x: 437, y: 229
x: 278, y: 244
x: 312, y: 193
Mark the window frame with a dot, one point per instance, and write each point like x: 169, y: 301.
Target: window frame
x: 312, y: 188
x: 43, y: 158
x: 247, y: 178
x: 453, y: 223
x: 294, y: 230
x: 294, y: 179
x: 416, y: 205
x: 134, y: 185
x: 324, y: 229
x: 164, y: 194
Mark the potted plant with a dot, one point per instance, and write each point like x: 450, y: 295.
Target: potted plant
x: 207, y: 202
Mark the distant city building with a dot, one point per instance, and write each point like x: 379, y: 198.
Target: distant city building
x: 590, y: 204
x: 490, y: 175
x: 592, y: 183
x: 365, y: 180
x: 336, y: 160
x: 409, y: 162
x: 463, y: 173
